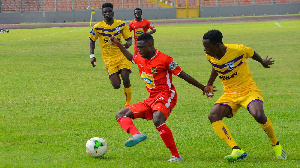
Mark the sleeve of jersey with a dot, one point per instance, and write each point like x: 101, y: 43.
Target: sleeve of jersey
x: 93, y: 34
x: 249, y: 52
x: 126, y: 32
x: 172, y: 66
x: 130, y: 26
x: 151, y: 26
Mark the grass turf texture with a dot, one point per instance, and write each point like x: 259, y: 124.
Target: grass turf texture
x: 52, y: 100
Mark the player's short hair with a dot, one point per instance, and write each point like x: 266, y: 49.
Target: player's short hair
x: 138, y: 9
x: 105, y: 5
x: 214, y: 36
x: 146, y: 37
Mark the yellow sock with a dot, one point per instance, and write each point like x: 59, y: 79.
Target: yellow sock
x: 269, y: 130
x: 128, y: 93
x: 223, y: 132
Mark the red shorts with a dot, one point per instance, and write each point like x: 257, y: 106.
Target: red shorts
x: 146, y: 108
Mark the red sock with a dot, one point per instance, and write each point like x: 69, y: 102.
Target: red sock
x: 167, y: 136
x: 127, y: 125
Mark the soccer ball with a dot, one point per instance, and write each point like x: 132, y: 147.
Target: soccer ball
x: 96, y: 147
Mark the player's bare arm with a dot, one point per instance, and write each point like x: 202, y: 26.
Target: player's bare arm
x: 190, y: 80
x: 265, y: 62
x: 128, y: 43
x: 92, y: 49
x: 209, y: 88
x: 126, y: 53
x: 152, y: 31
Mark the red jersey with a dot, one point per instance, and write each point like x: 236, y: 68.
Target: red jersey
x: 139, y: 28
x: 157, y: 73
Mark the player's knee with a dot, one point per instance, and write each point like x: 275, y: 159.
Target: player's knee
x: 213, y: 117
x: 121, y: 113
x: 116, y: 86
x: 126, y: 83
x: 158, y: 118
x: 260, y: 117
x: 126, y: 112
x: 157, y: 122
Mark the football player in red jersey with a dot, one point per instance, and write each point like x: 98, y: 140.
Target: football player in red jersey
x: 140, y: 26
x: 156, y: 69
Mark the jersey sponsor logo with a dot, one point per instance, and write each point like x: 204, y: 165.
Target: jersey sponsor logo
x: 153, y: 69
x: 173, y: 65
x: 148, y: 79
x: 151, y: 24
x: 139, y: 32
x: 107, y: 40
x: 228, y: 77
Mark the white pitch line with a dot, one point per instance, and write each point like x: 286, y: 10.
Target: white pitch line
x: 278, y: 24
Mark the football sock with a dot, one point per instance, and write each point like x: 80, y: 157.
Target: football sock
x: 127, y: 125
x: 223, y: 132
x: 128, y: 93
x: 269, y: 130
x: 167, y: 136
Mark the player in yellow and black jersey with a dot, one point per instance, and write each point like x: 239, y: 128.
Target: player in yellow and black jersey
x: 229, y: 63
x: 116, y: 64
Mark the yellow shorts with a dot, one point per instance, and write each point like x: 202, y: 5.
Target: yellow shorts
x: 235, y: 100
x: 123, y: 64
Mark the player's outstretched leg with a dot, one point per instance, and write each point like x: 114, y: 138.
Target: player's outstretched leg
x: 280, y: 153
x: 135, y: 139
x: 236, y: 154
x: 128, y: 126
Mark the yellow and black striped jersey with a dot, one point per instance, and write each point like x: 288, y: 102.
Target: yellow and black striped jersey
x: 103, y: 31
x: 232, y: 68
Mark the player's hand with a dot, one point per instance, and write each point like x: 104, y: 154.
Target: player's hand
x: 126, y: 46
x: 267, y: 62
x: 209, y: 91
x: 114, y: 41
x: 93, y: 61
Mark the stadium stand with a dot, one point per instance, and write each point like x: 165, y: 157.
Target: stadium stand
x: 49, y: 5
x: 181, y: 3
x: 208, y: 3
x: 31, y: 5
x: 9, y: 5
x: 281, y: 1
x: 244, y: 2
x: 226, y: 2
x: 263, y: 1
x: 66, y: 5
x: 193, y: 3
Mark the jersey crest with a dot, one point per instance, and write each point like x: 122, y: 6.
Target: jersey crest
x: 118, y: 29
x: 230, y: 65
x: 153, y: 69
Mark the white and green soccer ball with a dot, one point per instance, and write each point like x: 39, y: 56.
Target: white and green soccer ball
x: 96, y: 147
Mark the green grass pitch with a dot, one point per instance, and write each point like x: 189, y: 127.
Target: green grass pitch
x: 52, y: 100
